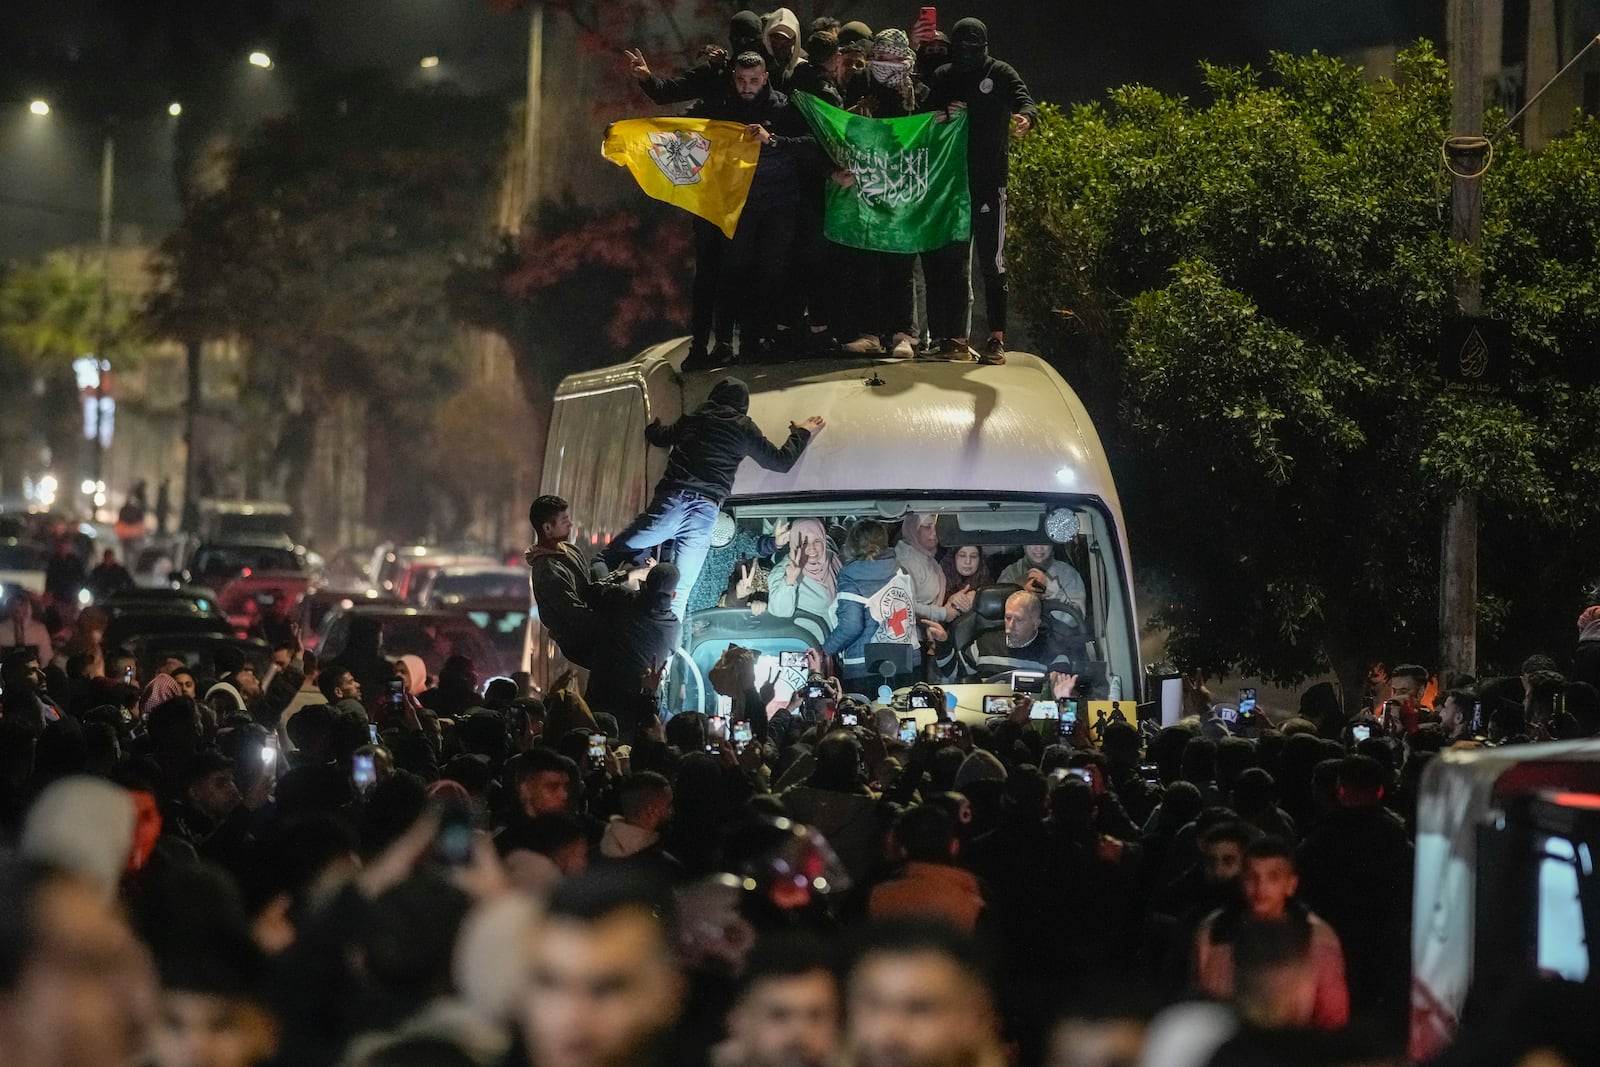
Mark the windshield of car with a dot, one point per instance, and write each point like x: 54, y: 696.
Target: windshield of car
x: 782, y: 576
x: 437, y: 638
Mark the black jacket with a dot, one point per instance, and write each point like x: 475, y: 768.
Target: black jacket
x: 698, y: 82
x: 641, y: 632
x: 808, y: 78
x: 989, y: 112
x: 778, y: 171
x: 561, y: 593
x: 710, y: 442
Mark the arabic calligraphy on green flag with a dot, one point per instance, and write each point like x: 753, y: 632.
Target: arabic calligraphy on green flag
x: 910, y: 192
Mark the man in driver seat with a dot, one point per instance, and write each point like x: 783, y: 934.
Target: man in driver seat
x: 1026, y: 643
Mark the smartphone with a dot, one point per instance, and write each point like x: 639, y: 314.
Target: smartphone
x: 943, y: 731
x: 908, y: 731
x: 1044, y: 709
x: 453, y: 846
x: 921, y: 702
x: 1247, y: 702
x: 363, y: 775
x: 397, y: 686
x: 724, y: 707
x: 1360, y: 732
x: 1029, y: 682
x: 597, y: 750
x: 127, y: 676
x: 792, y: 660
x: 1069, y: 716
x: 1082, y: 773
x: 372, y: 733
x: 1477, y: 720
x: 814, y: 691
x: 930, y: 16
x: 717, y: 727
x: 849, y: 718
x: 269, y: 755
x: 741, y: 736
x: 999, y: 704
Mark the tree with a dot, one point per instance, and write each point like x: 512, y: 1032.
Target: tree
x: 50, y: 315
x: 1250, y: 294
x: 326, y: 250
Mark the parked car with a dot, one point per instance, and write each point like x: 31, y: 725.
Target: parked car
x: 22, y: 564
x: 451, y: 586
x: 137, y: 622
x: 216, y: 563
x: 199, y: 597
x: 320, y: 601
x: 250, y: 599
x: 505, y: 623
x: 403, y: 569
x: 433, y: 635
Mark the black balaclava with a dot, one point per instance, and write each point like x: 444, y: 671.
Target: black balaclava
x: 744, y: 33
x: 660, y: 586
x: 969, y: 45
x: 730, y: 392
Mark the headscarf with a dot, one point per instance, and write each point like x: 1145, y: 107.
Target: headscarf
x: 418, y: 671
x: 821, y: 569
x: 162, y: 688
x: 912, y: 524
x: 892, y: 72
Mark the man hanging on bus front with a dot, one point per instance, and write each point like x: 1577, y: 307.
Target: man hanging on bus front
x: 708, y: 444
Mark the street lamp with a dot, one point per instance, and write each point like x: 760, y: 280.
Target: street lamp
x: 39, y: 107
x: 429, y: 62
x: 174, y: 109
x: 261, y: 59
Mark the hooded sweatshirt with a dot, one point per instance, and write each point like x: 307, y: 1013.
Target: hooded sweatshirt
x: 640, y: 630
x: 993, y: 92
x: 710, y: 442
x: 782, y: 19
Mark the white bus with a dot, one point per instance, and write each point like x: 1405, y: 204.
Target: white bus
x: 1005, y: 456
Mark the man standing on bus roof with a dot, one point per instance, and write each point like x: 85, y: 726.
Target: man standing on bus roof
x: 708, y: 444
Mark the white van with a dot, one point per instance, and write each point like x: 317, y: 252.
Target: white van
x: 1006, y: 456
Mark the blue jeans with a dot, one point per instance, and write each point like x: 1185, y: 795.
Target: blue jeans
x: 682, y: 518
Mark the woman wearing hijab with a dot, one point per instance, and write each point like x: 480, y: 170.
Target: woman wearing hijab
x: 809, y: 583
x: 919, y: 540
x: 965, y: 572
x: 880, y: 300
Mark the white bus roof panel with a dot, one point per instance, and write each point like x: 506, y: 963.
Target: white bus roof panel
x: 934, y: 426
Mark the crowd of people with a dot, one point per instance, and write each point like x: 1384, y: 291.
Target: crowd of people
x: 352, y: 862
x: 786, y: 287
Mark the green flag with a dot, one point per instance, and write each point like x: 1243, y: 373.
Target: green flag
x: 910, y: 193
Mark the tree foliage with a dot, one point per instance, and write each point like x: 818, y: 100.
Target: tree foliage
x: 1250, y: 293
x: 326, y: 249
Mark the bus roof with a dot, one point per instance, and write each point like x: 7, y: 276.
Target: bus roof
x: 896, y: 424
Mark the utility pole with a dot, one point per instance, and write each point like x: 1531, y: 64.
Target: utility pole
x: 1467, y: 152
x: 108, y: 165
x: 534, y: 112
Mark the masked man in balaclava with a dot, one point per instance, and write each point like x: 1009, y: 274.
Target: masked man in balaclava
x: 998, y: 106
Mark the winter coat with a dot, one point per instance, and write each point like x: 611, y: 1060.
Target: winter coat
x: 561, y: 594
x: 856, y: 625
x: 993, y: 93
x: 710, y: 442
x: 792, y: 148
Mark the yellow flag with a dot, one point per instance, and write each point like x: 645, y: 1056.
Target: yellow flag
x: 702, y: 166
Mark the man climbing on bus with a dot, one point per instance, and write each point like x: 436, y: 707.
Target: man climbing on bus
x: 570, y: 601
x: 708, y: 444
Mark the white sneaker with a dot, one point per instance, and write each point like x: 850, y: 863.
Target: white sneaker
x: 902, y: 348
x: 865, y: 343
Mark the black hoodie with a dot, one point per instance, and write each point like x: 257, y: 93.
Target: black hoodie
x: 993, y: 92
x: 710, y: 442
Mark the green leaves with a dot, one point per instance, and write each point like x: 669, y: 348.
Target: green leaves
x: 1249, y: 292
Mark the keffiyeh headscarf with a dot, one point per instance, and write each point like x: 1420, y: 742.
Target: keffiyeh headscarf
x: 892, y: 58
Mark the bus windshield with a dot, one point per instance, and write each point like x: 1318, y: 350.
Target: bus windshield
x: 907, y: 588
